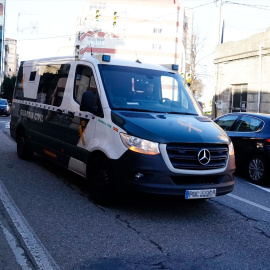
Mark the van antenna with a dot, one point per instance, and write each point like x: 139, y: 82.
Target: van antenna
x: 91, y: 49
x: 138, y: 61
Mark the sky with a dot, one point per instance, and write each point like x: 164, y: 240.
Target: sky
x: 38, y: 25
x: 242, y: 19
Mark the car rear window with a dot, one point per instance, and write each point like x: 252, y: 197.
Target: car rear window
x: 3, y: 102
x: 249, y: 124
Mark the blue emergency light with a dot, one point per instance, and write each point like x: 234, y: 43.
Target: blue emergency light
x: 175, y: 67
x: 106, y: 58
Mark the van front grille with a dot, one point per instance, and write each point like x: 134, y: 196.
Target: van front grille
x: 186, y: 156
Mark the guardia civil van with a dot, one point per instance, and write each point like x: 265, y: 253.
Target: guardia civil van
x: 123, y: 125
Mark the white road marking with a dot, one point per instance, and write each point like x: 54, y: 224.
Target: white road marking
x: 7, y: 123
x: 17, y: 251
x: 265, y: 189
x: 249, y: 202
x: 42, y: 258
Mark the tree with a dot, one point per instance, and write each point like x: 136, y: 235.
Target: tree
x: 194, y: 71
x: 7, y: 88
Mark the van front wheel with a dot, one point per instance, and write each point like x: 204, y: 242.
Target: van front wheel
x: 22, y: 147
x: 101, y: 186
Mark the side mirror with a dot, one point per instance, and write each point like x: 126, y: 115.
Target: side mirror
x: 89, y: 104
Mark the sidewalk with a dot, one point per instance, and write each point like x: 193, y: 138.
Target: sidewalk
x: 12, y: 256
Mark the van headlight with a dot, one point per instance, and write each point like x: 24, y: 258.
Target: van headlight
x: 139, y: 145
x: 231, y: 149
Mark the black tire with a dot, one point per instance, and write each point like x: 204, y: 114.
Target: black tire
x: 102, y: 183
x: 257, y: 170
x: 22, y: 147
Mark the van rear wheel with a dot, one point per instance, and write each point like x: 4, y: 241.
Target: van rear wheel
x: 102, y: 186
x: 22, y: 147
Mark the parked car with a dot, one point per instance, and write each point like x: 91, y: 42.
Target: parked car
x: 250, y: 134
x: 4, y: 107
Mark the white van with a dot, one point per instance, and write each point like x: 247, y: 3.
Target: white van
x: 123, y: 125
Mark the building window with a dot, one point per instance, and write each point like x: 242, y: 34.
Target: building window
x: 97, y: 6
x: 96, y: 42
x: 156, y: 47
x: 120, y: 42
x: 157, y: 30
x: 100, y: 42
x: 239, y: 97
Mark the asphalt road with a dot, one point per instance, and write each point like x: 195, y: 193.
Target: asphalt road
x: 48, y: 221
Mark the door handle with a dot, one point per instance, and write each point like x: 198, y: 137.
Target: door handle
x: 70, y: 114
x: 58, y: 111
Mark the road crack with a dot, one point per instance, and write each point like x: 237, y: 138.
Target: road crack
x: 248, y: 219
x: 262, y: 232
x: 127, y: 224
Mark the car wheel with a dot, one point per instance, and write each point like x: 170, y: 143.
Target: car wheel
x: 22, y: 147
x: 257, y: 169
x: 101, y: 183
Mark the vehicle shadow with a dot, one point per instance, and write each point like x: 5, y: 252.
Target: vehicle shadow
x: 242, y: 175
x: 139, y: 203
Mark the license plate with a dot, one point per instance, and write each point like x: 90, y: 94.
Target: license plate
x: 200, y: 194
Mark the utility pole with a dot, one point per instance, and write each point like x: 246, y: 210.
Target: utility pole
x: 260, y: 86
x: 219, y: 20
x: 217, y: 93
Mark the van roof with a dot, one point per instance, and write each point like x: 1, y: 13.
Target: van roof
x: 97, y: 59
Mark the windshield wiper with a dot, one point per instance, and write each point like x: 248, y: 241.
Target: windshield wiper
x: 151, y: 111
x: 185, y: 113
x: 137, y: 110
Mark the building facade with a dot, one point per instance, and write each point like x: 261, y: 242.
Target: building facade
x: 2, y: 38
x: 11, y: 59
x: 243, y: 75
x: 153, y: 31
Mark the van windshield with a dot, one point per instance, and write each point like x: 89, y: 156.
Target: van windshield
x: 138, y: 89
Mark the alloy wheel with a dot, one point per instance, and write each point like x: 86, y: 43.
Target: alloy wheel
x: 256, y: 169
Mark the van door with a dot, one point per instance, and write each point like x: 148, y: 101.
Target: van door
x: 47, y: 133
x: 80, y: 126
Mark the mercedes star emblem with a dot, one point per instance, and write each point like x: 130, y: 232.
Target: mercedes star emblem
x: 204, y: 156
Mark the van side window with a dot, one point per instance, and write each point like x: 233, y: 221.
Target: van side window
x: 52, y: 84
x: 84, y: 81
x: 19, y: 85
x: 32, y: 76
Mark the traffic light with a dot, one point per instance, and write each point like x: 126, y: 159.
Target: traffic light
x: 114, y: 18
x: 188, y: 78
x: 97, y: 16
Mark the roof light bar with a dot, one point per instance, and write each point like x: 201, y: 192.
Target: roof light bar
x: 171, y: 66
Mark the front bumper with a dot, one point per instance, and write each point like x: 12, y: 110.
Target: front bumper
x: 150, y: 174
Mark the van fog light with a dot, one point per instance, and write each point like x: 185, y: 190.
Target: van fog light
x: 139, y: 175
